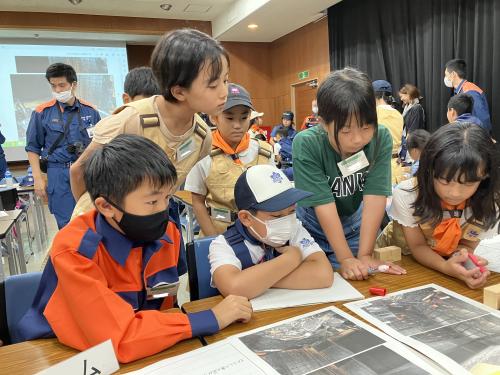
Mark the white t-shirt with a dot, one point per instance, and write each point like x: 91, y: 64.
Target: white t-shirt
x: 402, y: 212
x: 277, y: 148
x: 220, y: 253
x: 195, y: 180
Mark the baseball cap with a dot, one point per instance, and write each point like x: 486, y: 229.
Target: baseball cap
x: 287, y: 115
x: 256, y: 114
x: 266, y: 188
x: 382, y: 86
x: 237, y: 95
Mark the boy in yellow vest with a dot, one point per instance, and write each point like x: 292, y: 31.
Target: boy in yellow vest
x: 213, y: 178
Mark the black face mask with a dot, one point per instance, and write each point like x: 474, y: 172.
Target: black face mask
x: 142, y: 228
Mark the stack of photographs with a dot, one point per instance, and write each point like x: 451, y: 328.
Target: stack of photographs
x: 458, y: 333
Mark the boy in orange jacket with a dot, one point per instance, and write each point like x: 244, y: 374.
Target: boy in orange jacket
x: 112, y: 268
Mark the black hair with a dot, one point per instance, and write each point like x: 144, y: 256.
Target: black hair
x: 346, y: 93
x: 417, y: 139
x: 57, y: 70
x: 120, y: 166
x: 458, y: 66
x: 386, y: 96
x: 283, y: 132
x: 464, y: 151
x: 180, y: 55
x: 261, y: 137
x: 461, y: 103
x: 141, y: 81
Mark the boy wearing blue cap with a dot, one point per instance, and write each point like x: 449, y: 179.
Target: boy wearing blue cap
x: 387, y: 115
x: 267, y: 247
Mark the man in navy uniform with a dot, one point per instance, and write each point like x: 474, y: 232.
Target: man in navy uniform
x: 58, y: 132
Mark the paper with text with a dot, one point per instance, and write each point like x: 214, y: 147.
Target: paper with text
x: 222, y: 358
x: 340, y: 290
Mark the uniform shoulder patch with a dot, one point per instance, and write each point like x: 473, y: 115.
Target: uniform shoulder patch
x: 39, y: 108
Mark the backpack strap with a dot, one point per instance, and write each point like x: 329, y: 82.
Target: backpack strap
x: 264, y: 150
x: 147, y: 115
x: 215, y: 152
x: 199, y: 130
x: 236, y: 240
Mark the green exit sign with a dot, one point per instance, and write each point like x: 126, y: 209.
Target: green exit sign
x: 303, y: 74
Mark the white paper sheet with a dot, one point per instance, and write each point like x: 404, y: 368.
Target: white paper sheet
x: 490, y: 250
x: 325, y: 341
x: 340, y: 290
x: 452, y: 330
x: 222, y: 358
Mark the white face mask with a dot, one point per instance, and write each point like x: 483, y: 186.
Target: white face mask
x: 278, y: 231
x: 447, y: 82
x: 63, y: 96
x: 315, y: 109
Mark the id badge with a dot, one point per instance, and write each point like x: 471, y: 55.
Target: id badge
x: 471, y: 232
x: 220, y: 214
x: 185, y: 149
x: 90, y: 131
x: 353, y: 164
x: 162, y: 290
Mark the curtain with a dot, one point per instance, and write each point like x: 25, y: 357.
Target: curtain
x: 405, y: 41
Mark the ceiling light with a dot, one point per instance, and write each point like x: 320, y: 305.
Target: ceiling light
x: 75, y: 2
x: 166, y: 7
x: 253, y: 26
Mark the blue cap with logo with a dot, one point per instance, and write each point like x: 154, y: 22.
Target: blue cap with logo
x: 266, y: 188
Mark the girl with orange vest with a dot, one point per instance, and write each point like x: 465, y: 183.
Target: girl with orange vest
x: 453, y: 203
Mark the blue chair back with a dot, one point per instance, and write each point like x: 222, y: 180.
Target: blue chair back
x: 20, y: 291
x: 199, y: 269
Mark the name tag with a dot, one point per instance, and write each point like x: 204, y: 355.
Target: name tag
x: 98, y: 360
x: 90, y: 131
x: 220, y: 214
x: 162, y: 290
x: 185, y: 149
x: 353, y: 164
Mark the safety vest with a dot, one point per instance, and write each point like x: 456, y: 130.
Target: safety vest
x: 470, y: 230
x: 220, y: 182
x: 150, y: 124
x: 151, y: 129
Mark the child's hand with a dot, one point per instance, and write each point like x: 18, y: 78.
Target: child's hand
x: 474, y: 278
x: 232, y: 309
x: 353, y: 269
x: 394, y: 269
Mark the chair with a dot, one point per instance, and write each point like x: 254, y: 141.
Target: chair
x: 8, y: 198
x: 199, y: 269
x: 16, y: 296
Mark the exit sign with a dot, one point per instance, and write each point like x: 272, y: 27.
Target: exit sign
x: 303, y: 74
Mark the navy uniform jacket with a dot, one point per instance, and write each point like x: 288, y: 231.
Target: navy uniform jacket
x: 45, y: 126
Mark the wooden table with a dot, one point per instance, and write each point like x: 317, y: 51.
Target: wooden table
x: 417, y: 276
x: 185, y: 197
x: 32, y: 356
